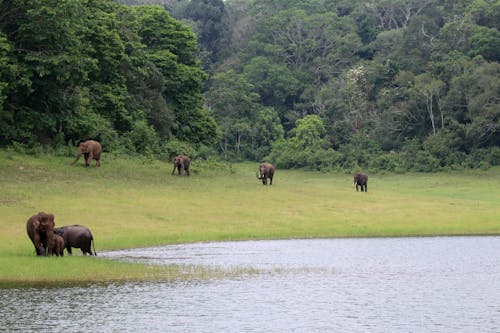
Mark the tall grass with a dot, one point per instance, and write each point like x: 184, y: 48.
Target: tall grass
x: 136, y: 203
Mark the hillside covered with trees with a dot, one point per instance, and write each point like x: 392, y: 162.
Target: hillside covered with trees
x: 324, y: 84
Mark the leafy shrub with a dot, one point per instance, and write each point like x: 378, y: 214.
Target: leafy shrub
x: 176, y: 147
x: 389, y: 161
x: 143, y: 138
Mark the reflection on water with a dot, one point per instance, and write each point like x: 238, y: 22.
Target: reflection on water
x: 341, y: 285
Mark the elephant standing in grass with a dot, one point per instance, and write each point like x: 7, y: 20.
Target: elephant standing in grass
x: 77, y: 236
x: 361, y: 179
x: 181, y: 162
x: 266, y: 171
x: 91, y: 150
x: 40, y: 228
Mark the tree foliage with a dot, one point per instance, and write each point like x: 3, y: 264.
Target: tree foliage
x: 387, y: 79
x: 96, y: 69
x: 384, y: 84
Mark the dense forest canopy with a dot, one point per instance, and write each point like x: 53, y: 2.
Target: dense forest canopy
x: 382, y: 84
x: 127, y: 76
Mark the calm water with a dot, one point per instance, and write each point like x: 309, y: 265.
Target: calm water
x: 330, y: 285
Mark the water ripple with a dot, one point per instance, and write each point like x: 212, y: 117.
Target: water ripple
x: 349, y: 285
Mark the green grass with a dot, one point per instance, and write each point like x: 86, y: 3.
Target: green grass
x: 131, y: 203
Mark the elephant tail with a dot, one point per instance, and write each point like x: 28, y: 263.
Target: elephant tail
x: 93, y: 245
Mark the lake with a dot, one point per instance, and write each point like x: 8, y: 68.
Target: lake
x: 434, y: 284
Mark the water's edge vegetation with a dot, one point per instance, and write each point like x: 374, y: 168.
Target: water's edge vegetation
x: 134, y: 202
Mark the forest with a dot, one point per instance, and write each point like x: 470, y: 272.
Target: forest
x: 396, y: 85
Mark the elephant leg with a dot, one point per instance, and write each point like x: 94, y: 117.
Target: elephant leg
x: 68, y: 248
x: 270, y: 181
x: 90, y: 158
x: 40, y: 251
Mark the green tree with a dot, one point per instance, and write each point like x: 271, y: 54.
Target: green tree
x: 211, y: 25
x: 275, y: 83
x: 11, y: 79
x: 308, y: 147
x: 172, y: 49
x: 431, y: 89
x: 473, y: 101
x: 47, y: 38
x: 244, y: 123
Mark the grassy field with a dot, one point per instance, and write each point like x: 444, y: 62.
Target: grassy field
x: 136, y: 203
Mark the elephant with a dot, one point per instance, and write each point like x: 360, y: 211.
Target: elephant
x: 266, y: 171
x: 181, y: 162
x: 361, y: 179
x: 91, y: 150
x: 40, y: 228
x: 57, y: 244
x: 77, y: 236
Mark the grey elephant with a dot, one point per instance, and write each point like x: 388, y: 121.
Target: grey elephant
x: 77, y: 236
x: 266, y: 171
x: 361, y: 179
x: 181, y: 162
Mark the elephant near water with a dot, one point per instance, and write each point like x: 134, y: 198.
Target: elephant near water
x: 266, y: 171
x: 361, y: 180
x: 181, y: 162
x: 40, y: 229
x: 77, y: 236
x: 90, y: 149
x: 56, y: 246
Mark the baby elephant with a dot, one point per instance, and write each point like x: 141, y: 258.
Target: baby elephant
x: 56, y: 245
x: 77, y: 236
x: 361, y: 179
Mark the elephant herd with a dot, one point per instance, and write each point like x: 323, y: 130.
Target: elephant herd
x: 51, y: 241
x: 91, y: 149
x: 265, y: 173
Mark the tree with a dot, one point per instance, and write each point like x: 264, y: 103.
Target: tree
x: 431, y: 89
x: 310, y: 132
x: 485, y: 42
x: 172, y: 49
x: 275, y: 83
x: 212, y: 27
x: 247, y: 128
x: 355, y: 94
x: 473, y: 101
x: 11, y: 78
x: 47, y: 38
